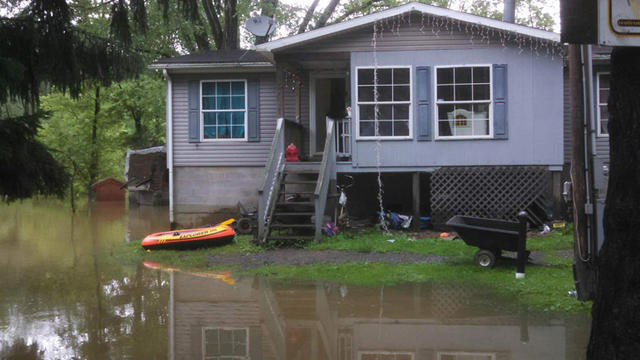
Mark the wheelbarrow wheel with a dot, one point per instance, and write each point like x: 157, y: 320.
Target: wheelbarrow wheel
x: 244, y: 226
x: 485, y: 258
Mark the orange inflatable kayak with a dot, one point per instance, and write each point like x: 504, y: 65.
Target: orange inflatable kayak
x: 190, y: 238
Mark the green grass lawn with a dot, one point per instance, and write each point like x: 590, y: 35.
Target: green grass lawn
x: 544, y: 287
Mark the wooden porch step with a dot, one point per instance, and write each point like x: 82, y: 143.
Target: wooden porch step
x: 300, y: 203
x: 299, y: 182
x: 302, y: 171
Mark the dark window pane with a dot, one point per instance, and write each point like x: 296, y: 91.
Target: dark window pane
x: 604, y: 127
x: 224, y: 118
x: 208, y: 88
x: 445, y: 111
x: 481, y: 92
x: 604, y: 81
x: 385, y: 128
x: 445, y: 92
x: 604, y: 112
x: 366, y: 112
x: 224, y: 102
x: 481, y: 75
x: 208, y: 103
x: 401, y: 76
x: 401, y: 128
x: 365, y: 76
x: 384, y: 93
x: 209, y: 132
x: 365, y: 93
x: 384, y: 76
x: 481, y: 127
x: 401, y: 93
x: 224, y: 132
x: 445, y: 76
x: 237, y: 132
x: 209, y: 118
x: 385, y: 112
x: 401, y: 112
x: 467, y: 107
x: 224, y: 88
x: 367, y: 128
x: 463, y: 92
x: 462, y: 75
x: 237, y: 102
x: 237, y: 88
x: 443, y: 128
x: 480, y: 111
x: 604, y: 96
x: 237, y: 118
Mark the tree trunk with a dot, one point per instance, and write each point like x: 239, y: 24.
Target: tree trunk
x: 615, y: 332
x: 231, y: 33
x: 307, y: 17
x: 93, y: 161
x: 326, y: 14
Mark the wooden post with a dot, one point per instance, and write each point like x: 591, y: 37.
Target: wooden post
x: 583, y: 273
x: 416, y: 200
x: 522, y: 244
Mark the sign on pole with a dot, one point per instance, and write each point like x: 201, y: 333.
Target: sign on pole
x: 619, y: 22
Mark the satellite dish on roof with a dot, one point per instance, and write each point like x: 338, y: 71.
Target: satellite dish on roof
x: 260, y: 25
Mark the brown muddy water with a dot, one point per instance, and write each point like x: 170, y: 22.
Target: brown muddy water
x: 63, y: 297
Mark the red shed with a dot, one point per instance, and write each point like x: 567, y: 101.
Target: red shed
x: 109, y: 189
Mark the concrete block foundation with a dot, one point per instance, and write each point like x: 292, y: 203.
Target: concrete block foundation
x: 205, y: 195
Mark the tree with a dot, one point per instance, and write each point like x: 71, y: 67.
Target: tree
x: 42, y: 47
x: 616, y: 321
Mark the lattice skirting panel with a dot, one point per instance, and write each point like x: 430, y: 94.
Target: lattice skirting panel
x: 498, y: 192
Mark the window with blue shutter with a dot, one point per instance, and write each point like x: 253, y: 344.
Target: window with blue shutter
x: 500, y: 124
x: 224, y: 109
x: 423, y: 111
x: 194, y: 112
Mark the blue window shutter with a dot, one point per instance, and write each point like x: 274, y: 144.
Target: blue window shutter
x: 194, y: 111
x: 253, y: 110
x: 423, y: 107
x: 500, y: 124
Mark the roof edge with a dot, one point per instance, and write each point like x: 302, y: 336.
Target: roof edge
x: 413, y: 6
x: 212, y: 65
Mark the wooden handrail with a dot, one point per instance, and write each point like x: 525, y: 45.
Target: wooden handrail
x: 272, y: 153
x: 325, y: 175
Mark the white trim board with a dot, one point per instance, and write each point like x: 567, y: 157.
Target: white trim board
x: 399, y: 10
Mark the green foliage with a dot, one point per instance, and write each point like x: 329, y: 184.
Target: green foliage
x: 26, y: 166
x: 131, y: 116
x: 370, y: 240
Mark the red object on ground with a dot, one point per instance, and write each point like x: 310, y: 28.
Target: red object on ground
x: 108, y: 189
x: 190, y: 238
x: 291, y: 153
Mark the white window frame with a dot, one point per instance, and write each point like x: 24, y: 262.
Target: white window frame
x: 245, y: 110
x: 204, y: 348
x: 600, y: 103
x: 436, y: 122
x: 356, y: 108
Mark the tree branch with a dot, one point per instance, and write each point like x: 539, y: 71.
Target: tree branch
x: 326, y: 14
x: 214, y: 22
x: 354, y: 10
x: 307, y: 17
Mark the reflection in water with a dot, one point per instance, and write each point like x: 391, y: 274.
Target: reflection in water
x: 258, y: 319
x: 65, y: 297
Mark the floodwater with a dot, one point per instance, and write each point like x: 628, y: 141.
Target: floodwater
x: 62, y: 296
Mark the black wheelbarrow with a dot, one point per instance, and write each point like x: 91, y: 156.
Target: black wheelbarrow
x: 491, y: 236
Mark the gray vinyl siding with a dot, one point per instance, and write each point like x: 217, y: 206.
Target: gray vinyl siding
x: 221, y: 153
x: 409, y: 36
x: 602, y: 142
x: 534, y: 113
